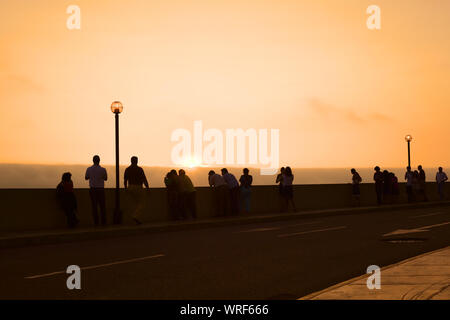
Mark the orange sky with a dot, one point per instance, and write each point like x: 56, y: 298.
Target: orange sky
x: 341, y: 95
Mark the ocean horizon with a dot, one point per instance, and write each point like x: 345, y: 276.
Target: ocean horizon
x: 48, y: 176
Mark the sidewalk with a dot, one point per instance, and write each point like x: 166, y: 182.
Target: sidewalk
x: 425, y: 277
x: 65, y: 235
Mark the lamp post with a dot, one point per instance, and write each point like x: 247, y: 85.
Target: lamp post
x: 117, y: 108
x: 408, y: 139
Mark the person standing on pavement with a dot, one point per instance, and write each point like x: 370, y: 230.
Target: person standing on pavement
x: 288, y: 189
x: 356, y: 181
x: 97, y: 176
x: 134, y: 178
x: 395, y: 188
x: 441, y: 178
x: 220, y: 189
x: 188, y: 195
x: 387, y: 186
x: 378, y: 178
x: 246, y: 183
x: 416, y: 185
x: 173, y: 194
x: 233, y: 191
x: 67, y: 199
x: 422, y: 183
x: 409, y: 177
x: 279, y: 180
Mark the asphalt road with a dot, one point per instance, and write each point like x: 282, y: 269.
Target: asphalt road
x: 276, y: 260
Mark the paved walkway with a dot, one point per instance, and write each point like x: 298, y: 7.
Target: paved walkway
x: 425, y: 277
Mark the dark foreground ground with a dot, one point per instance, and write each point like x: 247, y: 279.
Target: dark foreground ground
x: 276, y: 260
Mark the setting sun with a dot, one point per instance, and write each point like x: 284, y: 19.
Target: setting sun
x: 192, y: 163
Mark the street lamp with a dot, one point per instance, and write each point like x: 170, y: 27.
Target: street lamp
x: 408, y: 139
x: 117, y: 108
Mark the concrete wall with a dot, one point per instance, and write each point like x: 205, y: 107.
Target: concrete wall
x: 37, y: 209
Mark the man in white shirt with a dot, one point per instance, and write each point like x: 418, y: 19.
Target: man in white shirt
x: 220, y: 190
x: 97, y: 176
x: 441, y: 177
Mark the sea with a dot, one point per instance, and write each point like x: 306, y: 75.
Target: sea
x: 48, y: 176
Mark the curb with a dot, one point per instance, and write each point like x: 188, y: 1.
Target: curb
x: 121, y: 231
x: 341, y: 284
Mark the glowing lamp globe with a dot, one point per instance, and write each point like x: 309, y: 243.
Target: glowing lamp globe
x: 408, y: 138
x: 116, y: 107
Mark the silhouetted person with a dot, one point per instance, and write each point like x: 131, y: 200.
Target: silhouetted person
x: 97, y: 176
x: 134, y: 178
x: 287, y: 189
x: 220, y: 190
x: 356, y: 181
x: 416, y: 184
x: 67, y: 199
x: 409, y: 175
x: 387, y: 186
x: 246, y: 181
x: 188, y: 195
x: 233, y: 190
x: 441, y: 178
x: 279, y: 180
x: 173, y: 194
x: 378, y: 178
x: 395, y: 188
x: 422, y: 183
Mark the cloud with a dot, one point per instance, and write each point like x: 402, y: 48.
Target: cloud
x: 328, y: 110
x: 17, y: 83
x: 380, y: 117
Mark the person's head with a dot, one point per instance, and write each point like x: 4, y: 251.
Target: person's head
x: 245, y: 171
x: 134, y: 160
x: 288, y: 171
x: 181, y: 172
x: 419, y: 167
x: 385, y: 172
x: 96, y: 160
x: 173, y: 172
x: 224, y: 171
x: 353, y: 170
x: 282, y: 170
x: 408, y: 168
x: 440, y: 169
x: 211, y: 172
x: 377, y: 169
x: 66, y: 177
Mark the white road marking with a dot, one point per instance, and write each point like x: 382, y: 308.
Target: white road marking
x: 311, y: 231
x: 96, y: 266
x: 277, y: 228
x: 257, y: 230
x: 415, y: 230
x: 305, y: 223
x: 428, y: 214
